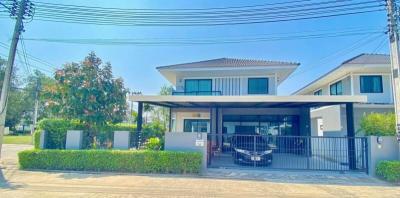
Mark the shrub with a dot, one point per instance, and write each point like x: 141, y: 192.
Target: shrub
x: 379, y: 124
x: 154, y: 129
x: 105, y: 135
x: 389, y: 170
x: 154, y: 143
x: 56, y: 130
x: 36, y: 139
x: 145, y: 161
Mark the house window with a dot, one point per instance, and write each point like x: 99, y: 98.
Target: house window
x: 371, y: 84
x: 336, y: 88
x: 318, y: 93
x: 258, y: 86
x: 196, y: 125
x: 198, y: 86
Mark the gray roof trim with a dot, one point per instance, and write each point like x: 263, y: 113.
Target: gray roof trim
x: 228, y: 62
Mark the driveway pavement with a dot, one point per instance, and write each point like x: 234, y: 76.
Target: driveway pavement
x: 214, y: 183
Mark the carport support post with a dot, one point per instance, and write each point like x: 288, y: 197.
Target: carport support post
x: 351, y: 152
x: 139, y: 122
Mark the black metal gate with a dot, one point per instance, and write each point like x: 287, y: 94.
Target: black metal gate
x: 288, y: 152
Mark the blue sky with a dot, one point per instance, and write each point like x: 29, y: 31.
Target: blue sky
x: 136, y: 64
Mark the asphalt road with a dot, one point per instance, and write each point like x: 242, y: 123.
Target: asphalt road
x: 17, y: 183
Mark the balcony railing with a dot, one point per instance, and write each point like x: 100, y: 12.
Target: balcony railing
x: 196, y: 93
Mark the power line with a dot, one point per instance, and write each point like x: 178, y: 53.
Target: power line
x: 343, y: 51
x: 33, y: 58
x: 106, y: 13
x: 266, y: 13
x: 215, y: 40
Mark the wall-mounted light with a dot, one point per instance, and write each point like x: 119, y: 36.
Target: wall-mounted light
x: 379, y: 140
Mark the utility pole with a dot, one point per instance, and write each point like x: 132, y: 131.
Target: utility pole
x: 394, y: 58
x: 23, y: 9
x: 35, y: 113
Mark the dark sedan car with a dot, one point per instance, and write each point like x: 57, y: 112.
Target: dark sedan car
x: 251, y: 150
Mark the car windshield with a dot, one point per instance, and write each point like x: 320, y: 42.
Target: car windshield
x: 249, y: 142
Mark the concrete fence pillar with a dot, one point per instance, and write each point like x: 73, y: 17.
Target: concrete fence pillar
x: 74, y: 139
x: 121, y: 140
x: 176, y: 141
x: 42, y: 140
x: 381, y: 148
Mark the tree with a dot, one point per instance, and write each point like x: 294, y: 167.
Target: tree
x: 88, y: 92
x: 18, y: 101
x: 38, y: 82
x: 166, y: 90
x: 379, y: 124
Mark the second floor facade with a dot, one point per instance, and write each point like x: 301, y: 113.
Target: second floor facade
x: 227, y: 76
x: 366, y: 74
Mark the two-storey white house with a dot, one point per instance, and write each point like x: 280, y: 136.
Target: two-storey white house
x: 224, y: 77
x: 366, y: 74
x: 235, y: 103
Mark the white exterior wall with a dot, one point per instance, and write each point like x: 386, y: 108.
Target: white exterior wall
x: 230, y: 85
x: 179, y: 115
x: 350, y: 88
x: 385, y: 97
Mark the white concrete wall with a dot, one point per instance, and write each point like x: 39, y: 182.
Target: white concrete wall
x: 74, y: 139
x: 388, y: 149
x: 179, y: 115
x: 385, y: 97
x: 230, y: 85
x: 195, y: 142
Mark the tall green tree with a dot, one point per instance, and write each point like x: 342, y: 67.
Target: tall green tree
x: 17, y: 103
x: 89, y: 92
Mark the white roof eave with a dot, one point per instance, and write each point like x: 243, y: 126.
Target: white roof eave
x: 247, y: 98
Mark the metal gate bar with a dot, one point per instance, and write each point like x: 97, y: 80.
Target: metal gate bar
x: 288, y: 152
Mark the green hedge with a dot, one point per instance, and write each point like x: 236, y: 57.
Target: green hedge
x: 389, y: 170
x: 56, y: 130
x: 112, y: 160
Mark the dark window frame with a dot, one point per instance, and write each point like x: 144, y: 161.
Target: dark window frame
x: 255, y: 93
x: 363, y: 90
x: 194, y: 120
x: 335, y: 85
x: 318, y: 92
x: 197, y: 92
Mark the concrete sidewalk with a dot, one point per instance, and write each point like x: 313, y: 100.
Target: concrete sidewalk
x: 17, y: 183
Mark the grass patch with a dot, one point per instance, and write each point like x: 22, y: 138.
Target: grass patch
x: 17, y: 139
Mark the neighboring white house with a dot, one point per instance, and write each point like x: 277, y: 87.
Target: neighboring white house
x: 365, y: 74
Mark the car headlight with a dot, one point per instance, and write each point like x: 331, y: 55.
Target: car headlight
x: 242, y: 151
x: 267, y: 152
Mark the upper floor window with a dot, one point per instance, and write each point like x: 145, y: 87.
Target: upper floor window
x: 336, y: 88
x: 318, y: 93
x: 198, y: 87
x: 257, y: 86
x: 371, y: 84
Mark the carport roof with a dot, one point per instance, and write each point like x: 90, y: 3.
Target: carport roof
x: 247, y: 101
